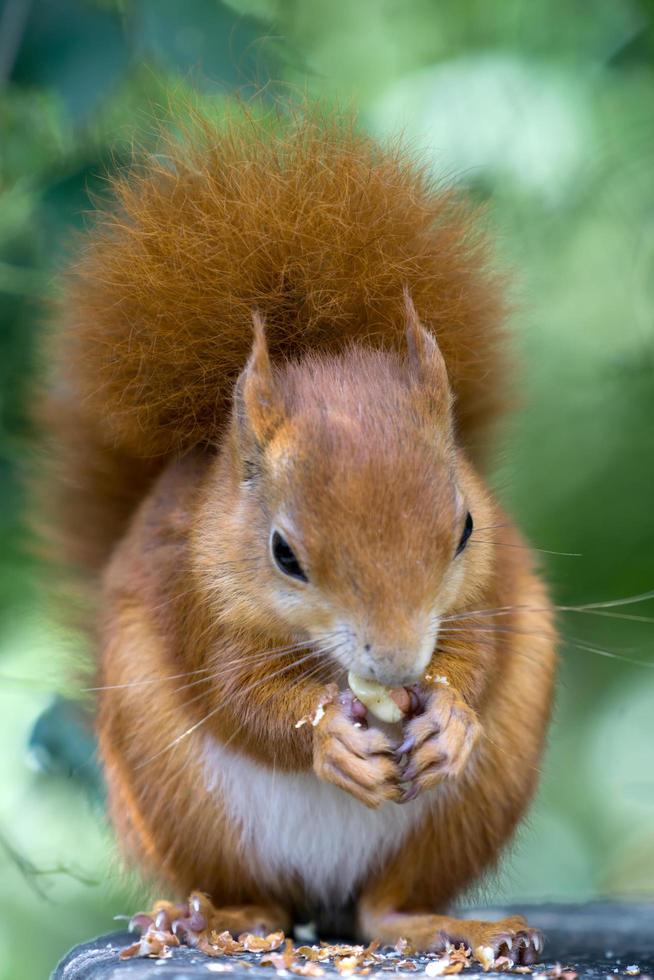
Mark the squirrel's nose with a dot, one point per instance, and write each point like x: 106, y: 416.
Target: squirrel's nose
x: 396, y: 664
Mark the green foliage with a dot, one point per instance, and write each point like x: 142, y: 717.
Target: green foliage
x: 540, y: 108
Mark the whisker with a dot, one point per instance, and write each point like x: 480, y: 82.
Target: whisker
x: 154, y: 680
x: 582, y: 645
x: 596, y: 608
x: 569, y: 640
x: 491, y: 527
x: 524, y: 547
x: 509, y: 610
x: 630, y: 617
x: 201, y: 670
x: 263, y: 656
x: 255, y: 685
x: 625, y: 601
x: 180, y: 738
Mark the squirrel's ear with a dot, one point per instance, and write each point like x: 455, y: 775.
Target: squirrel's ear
x: 258, y: 406
x: 426, y: 362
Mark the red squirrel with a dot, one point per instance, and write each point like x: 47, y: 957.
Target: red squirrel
x: 275, y: 377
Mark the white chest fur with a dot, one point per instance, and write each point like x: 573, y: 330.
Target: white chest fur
x: 294, y: 823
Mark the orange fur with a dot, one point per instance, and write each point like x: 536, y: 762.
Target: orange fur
x: 349, y: 430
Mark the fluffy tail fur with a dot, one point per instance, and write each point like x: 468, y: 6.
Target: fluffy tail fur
x: 310, y: 222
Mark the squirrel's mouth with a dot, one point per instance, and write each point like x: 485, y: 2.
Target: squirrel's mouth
x: 387, y: 704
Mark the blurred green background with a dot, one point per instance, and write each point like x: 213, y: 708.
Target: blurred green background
x: 543, y: 109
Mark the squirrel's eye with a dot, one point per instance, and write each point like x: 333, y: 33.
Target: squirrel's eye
x: 285, y: 557
x: 467, y: 531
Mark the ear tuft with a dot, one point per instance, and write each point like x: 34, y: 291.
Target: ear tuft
x: 426, y: 362
x: 258, y: 403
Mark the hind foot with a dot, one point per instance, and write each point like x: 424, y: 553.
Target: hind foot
x: 511, y: 938
x: 199, y: 923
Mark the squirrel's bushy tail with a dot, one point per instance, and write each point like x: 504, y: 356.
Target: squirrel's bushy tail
x: 311, y: 222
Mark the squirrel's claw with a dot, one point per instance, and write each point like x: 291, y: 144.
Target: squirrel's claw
x: 511, y: 939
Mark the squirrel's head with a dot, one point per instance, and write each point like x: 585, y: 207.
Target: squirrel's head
x: 343, y: 506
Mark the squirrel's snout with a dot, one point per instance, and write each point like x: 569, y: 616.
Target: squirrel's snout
x: 392, y: 654
x: 397, y: 666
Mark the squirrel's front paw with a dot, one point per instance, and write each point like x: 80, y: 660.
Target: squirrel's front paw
x: 354, y: 757
x: 437, y: 741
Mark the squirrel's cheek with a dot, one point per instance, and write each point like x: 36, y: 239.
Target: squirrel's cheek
x: 453, y: 584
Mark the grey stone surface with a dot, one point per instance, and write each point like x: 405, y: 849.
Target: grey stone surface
x: 599, y: 940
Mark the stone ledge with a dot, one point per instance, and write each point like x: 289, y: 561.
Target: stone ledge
x: 597, y: 940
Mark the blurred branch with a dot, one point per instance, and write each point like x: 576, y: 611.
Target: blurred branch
x: 32, y: 874
x: 29, y: 872
x: 13, y: 19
